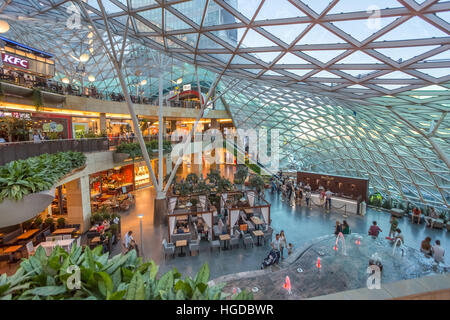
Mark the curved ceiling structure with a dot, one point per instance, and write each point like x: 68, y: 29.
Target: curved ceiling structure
x: 355, y: 88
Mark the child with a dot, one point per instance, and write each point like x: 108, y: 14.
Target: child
x: 290, y: 248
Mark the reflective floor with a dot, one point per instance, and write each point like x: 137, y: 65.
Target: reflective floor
x: 300, y: 225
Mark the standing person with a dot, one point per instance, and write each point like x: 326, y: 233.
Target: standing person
x: 338, y: 228
x: 399, y: 236
x: 292, y: 198
x: 36, y: 136
x: 283, y: 192
x: 438, y: 252
x: 273, y: 185
x: 394, y: 225
x: 308, y: 198
x: 374, y: 230
x: 328, y: 195
x: 129, y: 242
x: 276, y: 245
x: 283, y: 243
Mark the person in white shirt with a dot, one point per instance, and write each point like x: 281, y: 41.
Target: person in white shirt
x: 431, y: 218
x: 36, y: 137
x: 438, y: 252
x: 128, y: 238
x: 328, y: 195
x: 276, y: 243
x: 308, y: 197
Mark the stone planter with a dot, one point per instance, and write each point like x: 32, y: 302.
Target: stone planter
x: 120, y: 157
x: 15, y: 212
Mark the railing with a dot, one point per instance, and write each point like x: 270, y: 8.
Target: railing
x: 11, y: 151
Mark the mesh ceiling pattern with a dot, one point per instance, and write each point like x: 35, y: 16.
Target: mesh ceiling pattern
x: 356, y: 88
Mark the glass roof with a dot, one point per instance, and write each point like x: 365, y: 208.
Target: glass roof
x: 355, y: 87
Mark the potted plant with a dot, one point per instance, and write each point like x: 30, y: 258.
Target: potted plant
x: 257, y: 183
x: 114, y: 229
x: 37, y: 223
x: 194, y: 205
x: 240, y: 176
x: 27, y: 225
x: 49, y: 222
x: 61, y: 223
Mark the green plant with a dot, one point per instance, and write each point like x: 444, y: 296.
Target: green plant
x: 254, y: 167
x: 38, y: 221
x: 194, y: 202
x: 257, y: 183
x: 27, y: 225
x: 122, y: 277
x: 35, y: 174
x: 191, y: 178
x: 97, y: 217
x: 375, y: 199
x: 213, y: 176
x: 37, y: 99
x: 114, y: 228
x: 106, y: 216
x: 61, y: 222
x: 49, y: 221
x: 224, y: 185
x: 241, y: 175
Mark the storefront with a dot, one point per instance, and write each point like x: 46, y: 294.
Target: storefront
x: 141, y: 175
x: 115, y: 181
x: 82, y: 126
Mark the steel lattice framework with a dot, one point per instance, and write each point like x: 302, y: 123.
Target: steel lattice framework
x: 355, y: 89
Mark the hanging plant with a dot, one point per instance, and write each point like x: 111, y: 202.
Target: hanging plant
x: 37, y: 99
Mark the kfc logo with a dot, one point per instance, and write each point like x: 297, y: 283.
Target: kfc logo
x: 15, y: 61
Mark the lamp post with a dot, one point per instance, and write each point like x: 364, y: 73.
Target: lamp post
x: 140, y: 216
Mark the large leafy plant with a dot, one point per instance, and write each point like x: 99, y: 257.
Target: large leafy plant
x: 21, y: 177
x: 134, y: 149
x: 123, y: 277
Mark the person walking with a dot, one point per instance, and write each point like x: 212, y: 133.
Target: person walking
x: 283, y: 243
x: 328, y: 195
x: 308, y: 198
x: 338, y: 228
x: 292, y: 198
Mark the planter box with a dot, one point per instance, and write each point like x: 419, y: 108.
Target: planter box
x: 120, y: 157
x: 15, y: 212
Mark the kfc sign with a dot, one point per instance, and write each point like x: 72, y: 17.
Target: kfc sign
x: 15, y: 61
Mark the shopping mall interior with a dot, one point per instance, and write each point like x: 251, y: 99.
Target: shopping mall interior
x: 225, y: 149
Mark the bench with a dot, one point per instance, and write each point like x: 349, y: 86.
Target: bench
x: 398, y: 213
x: 10, y: 238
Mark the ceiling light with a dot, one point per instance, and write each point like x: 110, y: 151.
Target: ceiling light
x: 91, y: 78
x: 65, y: 80
x: 4, y: 26
x: 143, y: 82
x: 180, y: 81
x: 84, y: 57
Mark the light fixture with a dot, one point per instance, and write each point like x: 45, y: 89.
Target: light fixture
x: 143, y: 82
x: 4, y: 26
x: 140, y: 216
x: 180, y: 81
x: 91, y: 78
x: 65, y: 80
x: 84, y: 57
x: 90, y: 35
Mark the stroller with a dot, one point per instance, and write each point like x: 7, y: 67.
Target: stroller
x: 272, y: 258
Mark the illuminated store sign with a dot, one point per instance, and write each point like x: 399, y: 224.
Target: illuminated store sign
x: 15, y: 61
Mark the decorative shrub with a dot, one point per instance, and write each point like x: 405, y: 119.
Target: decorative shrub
x: 61, y: 222
x: 122, y: 277
x: 21, y: 177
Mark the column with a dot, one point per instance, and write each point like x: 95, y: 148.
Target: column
x: 103, y: 122
x: 79, y: 203
x: 173, y: 125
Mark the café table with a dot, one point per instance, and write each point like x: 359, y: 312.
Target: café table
x: 226, y: 239
x: 50, y: 245
x: 63, y: 231
x: 11, y: 250
x: 248, y: 211
x: 27, y: 235
x: 258, y: 234
x: 257, y: 221
x: 181, y: 244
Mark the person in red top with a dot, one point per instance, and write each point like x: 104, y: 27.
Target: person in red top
x: 416, y: 214
x: 374, y: 230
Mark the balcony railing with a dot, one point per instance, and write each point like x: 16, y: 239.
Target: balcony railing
x: 11, y: 151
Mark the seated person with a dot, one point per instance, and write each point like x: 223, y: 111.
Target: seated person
x: 100, y: 228
x: 243, y: 227
x: 345, y: 227
x: 374, y: 230
x: 425, y: 246
x: 180, y: 229
x: 431, y: 218
x: 105, y: 224
x: 416, y: 212
x: 290, y: 248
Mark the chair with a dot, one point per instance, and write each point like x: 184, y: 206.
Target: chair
x: 57, y: 238
x: 234, y: 241
x: 214, y: 244
x: 448, y: 226
x: 268, y: 235
x: 194, y: 245
x: 438, y: 224
x: 169, y: 248
x: 30, y: 248
x: 67, y: 237
x: 79, y: 242
x: 47, y: 232
x: 50, y: 239
x: 247, y: 239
